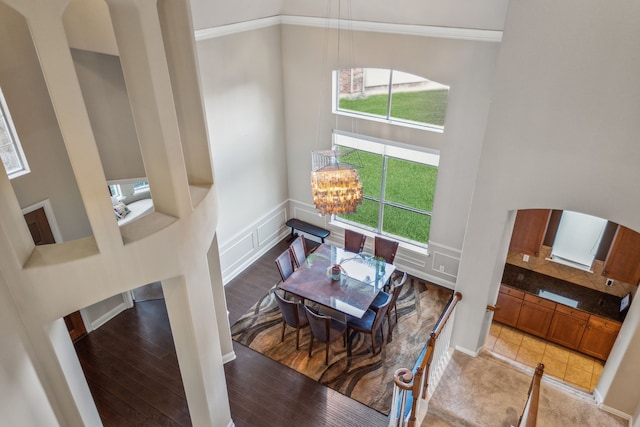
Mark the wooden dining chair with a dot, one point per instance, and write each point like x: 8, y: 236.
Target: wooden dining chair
x: 293, y: 314
x: 370, y: 324
x: 325, y: 329
x: 298, y: 250
x: 382, y: 297
x: 354, y: 241
x: 285, y: 264
x: 385, y: 249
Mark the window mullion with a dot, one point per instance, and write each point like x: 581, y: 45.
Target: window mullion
x: 382, y: 187
x: 389, y: 95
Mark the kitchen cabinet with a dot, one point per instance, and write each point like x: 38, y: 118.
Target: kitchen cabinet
x: 535, y: 315
x: 599, y: 336
x: 528, y: 231
x: 508, y: 306
x: 623, y: 260
x: 567, y: 326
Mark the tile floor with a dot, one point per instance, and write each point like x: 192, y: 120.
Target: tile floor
x: 573, y: 368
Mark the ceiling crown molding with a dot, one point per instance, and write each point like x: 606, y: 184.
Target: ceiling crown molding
x: 494, y: 36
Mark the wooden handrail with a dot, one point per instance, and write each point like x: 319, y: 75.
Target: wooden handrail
x: 419, y: 387
x: 530, y: 413
x: 435, y: 332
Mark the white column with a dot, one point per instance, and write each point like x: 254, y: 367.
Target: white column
x: 49, y: 39
x: 144, y: 65
x: 220, y: 301
x: 178, y: 36
x: 192, y: 315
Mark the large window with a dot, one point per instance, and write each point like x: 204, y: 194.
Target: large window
x: 398, y: 185
x: 392, y: 96
x: 11, y: 153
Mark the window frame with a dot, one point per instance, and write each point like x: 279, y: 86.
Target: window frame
x: 387, y: 149
x: 15, y: 141
x: 335, y: 96
x: 124, y: 189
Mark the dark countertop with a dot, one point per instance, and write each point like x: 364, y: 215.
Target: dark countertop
x: 563, y: 292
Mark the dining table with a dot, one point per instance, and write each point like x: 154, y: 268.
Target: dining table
x: 361, y: 277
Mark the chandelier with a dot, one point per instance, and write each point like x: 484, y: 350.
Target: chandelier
x: 335, y: 186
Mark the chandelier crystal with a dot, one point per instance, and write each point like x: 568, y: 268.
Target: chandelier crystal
x: 335, y: 186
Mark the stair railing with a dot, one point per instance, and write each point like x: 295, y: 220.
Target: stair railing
x: 411, y: 387
x: 530, y: 413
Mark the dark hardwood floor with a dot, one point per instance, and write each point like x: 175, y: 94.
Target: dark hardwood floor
x: 132, y: 370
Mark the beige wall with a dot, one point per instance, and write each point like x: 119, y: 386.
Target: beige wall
x: 557, y: 137
x: 488, y: 15
x: 105, y: 94
x: 24, y: 87
x: 242, y: 90
x: 310, y: 121
x: 539, y: 117
x: 39, y: 285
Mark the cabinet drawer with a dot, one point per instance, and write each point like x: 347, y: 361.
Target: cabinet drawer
x: 602, y: 323
x: 540, y: 301
x: 510, y: 291
x: 577, y: 314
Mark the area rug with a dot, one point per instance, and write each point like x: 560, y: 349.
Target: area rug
x: 364, y: 377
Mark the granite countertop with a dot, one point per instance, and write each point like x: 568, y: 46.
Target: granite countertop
x: 563, y: 292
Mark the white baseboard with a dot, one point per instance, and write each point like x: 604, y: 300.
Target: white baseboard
x: 231, y: 424
x: 109, y: 315
x: 467, y: 352
x: 615, y: 412
x: 228, y: 357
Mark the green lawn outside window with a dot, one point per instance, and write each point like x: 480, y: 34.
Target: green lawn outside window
x: 408, y: 184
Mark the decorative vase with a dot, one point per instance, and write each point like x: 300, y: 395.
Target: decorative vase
x: 335, y: 272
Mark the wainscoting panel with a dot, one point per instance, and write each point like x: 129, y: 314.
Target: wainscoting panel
x: 310, y: 215
x: 236, y: 253
x: 411, y: 259
x: 252, y: 242
x: 445, y: 264
x: 271, y: 228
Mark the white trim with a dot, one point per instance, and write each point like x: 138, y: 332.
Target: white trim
x: 233, y: 239
x: 86, y: 320
x: 615, y: 412
x: 403, y: 29
x: 467, y: 352
x: 231, y: 424
x: 259, y: 246
x: 493, y: 36
x: 228, y: 357
x: 15, y: 140
x: 109, y: 315
x: 440, y: 245
x: 51, y: 218
x: 442, y: 254
x: 240, y: 27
